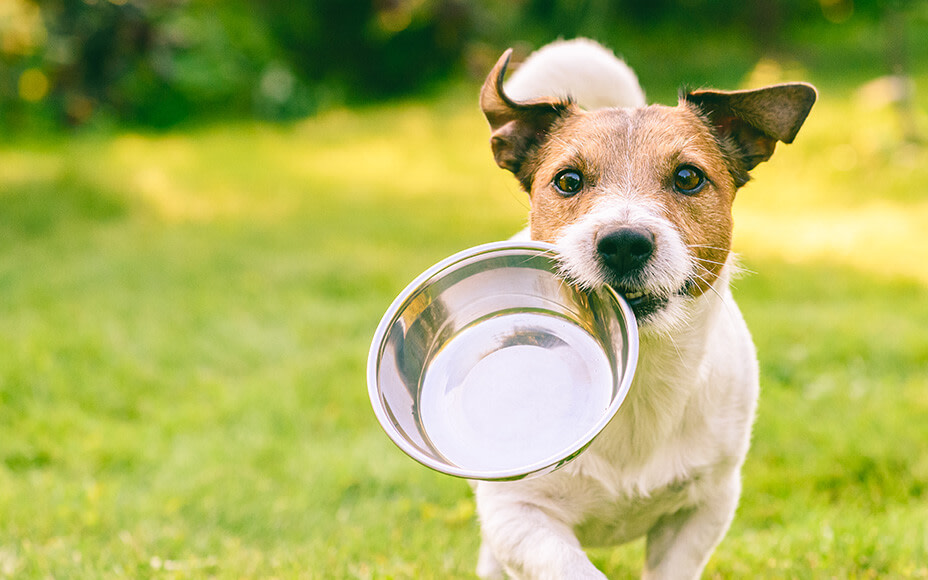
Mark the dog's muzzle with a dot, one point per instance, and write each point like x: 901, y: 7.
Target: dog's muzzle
x: 624, y: 253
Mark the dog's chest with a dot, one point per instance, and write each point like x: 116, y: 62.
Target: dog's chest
x: 637, y: 473
x: 626, y: 518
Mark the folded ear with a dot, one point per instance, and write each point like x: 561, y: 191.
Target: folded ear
x: 517, y: 128
x: 754, y: 120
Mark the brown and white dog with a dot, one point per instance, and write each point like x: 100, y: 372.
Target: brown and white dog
x: 638, y: 197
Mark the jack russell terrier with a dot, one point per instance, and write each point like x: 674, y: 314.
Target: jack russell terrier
x: 638, y: 197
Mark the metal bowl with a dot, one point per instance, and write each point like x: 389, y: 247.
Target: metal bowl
x: 489, y: 366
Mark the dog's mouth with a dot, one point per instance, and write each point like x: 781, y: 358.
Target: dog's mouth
x: 647, y: 294
x: 644, y: 302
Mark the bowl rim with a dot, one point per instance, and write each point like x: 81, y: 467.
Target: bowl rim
x: 539, y: 467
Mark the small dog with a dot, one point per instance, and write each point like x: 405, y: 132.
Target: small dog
x: 637, y: 197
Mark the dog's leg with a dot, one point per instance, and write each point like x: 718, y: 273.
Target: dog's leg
x: 680, y: 544
x: 528, y: 543
x: 488, y: 567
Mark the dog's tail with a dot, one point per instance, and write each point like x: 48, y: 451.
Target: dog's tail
x: 581, y: 69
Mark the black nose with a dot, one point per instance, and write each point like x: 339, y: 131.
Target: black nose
x: 626, y: 249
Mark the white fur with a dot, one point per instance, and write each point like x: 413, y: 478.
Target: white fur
x: 668, y: 465
x: 580, y: 69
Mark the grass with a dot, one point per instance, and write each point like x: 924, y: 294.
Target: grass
x: 184, y: 321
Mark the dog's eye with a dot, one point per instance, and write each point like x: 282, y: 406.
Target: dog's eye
x: 568, y: 182
x: 688, y: 180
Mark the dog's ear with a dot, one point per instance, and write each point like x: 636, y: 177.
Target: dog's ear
x: 753, y: 121
x: 517, y: 128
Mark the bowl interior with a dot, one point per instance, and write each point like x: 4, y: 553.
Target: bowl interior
x: 489, y: 366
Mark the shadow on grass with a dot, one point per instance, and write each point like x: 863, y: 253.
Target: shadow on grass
x: 39, y: 207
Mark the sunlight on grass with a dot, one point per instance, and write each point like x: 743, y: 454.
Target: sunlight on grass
x: 181, y: 178
x: 23, y: 167
x: 880, y: 238
x: 851, y: 193
x: 251, y: 171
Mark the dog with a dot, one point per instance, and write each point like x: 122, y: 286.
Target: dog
x: 637, y: 197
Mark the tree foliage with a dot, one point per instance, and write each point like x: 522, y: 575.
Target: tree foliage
x: 160, y: 62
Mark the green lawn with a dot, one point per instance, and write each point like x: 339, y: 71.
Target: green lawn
x: 185, y: 317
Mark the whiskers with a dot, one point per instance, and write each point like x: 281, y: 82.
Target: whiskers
x: 551, y: 253
x: 735, y: 265
x: 699, y: 273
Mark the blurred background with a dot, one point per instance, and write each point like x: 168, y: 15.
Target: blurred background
x: 206, y: 206
x: 159, y: 63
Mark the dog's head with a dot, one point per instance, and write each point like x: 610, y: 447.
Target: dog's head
x: 640, y: 199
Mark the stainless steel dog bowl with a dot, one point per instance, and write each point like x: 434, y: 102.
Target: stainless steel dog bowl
x: 489, y: 366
